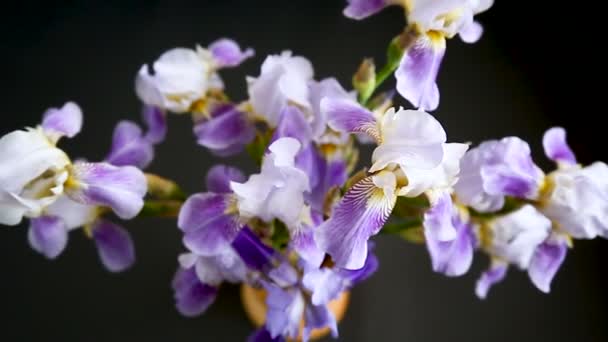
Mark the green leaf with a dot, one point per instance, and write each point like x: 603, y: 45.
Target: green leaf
x: 280, y: 235
x: 257, y: 147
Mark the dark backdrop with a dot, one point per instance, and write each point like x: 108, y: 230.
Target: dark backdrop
x: 534, y: 68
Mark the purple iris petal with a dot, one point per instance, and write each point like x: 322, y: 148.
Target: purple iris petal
x: 360, y: 215
x: 361, y: 9
x: 417, y: 73
x: 494, y: 275
x: 369, y: 268
x: 200, y: 209
x: 545, y: 263
x: 120, y: 188
x: 510, y: 170
x: 114, y: 246
x: 309, y: 160
x: 192, y: 297
x: 48, y: 235
x: 219, y: 178
x: 262, y: 335
x: 227, y: 53
x: 346, y: 115
x: 316, y: 317
x: 215, y: 236
x: 292, y: 123
x: 303, y: 242
x: 330, y: 173
x: 324, y: 283
x: 254, y: 253
x: 438, y: 223
x: 227, y: 132
x: 66, y: 121
x: 285, y: 310
x: 452, y: 258
x: 156, y: 120
x: 208, y: 229
x: 556, y: 147
x: 129, y: 146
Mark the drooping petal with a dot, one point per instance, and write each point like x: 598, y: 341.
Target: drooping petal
x: 64, y: 121
x: 192, y: 297
x: 489, y: 278
x: 48, y: 236
x: 326, y: 88
x: 438, y: 224
x: 452, y: 257
x: 316, y: 317
x: 515, y: 236
x: 545, y: 263
x: 361, y: 9
x: 114, y: 246
x: 360, y: 215
x: 129, y: 147
x: 556, y: 147
x: 292, y: 123
x: 253, y: 251
x: 345, y: 115
x: 156, y: 120
x: 227, y: 53
x: 285, y: 311
x: 227, y: 132
x: 371, y: 266
x: 417, y: 73
x: 219, y: 177
x: 120, y: 188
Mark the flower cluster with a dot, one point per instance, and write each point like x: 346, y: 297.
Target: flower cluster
x: 298, y: 231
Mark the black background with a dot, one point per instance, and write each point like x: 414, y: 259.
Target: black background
x: 536, y: 66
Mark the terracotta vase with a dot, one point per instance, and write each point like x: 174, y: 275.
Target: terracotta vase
x: 254, y: 303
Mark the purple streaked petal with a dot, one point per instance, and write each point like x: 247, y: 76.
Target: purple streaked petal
x: 303, y: 242
x: 316, y: 317
x: 192, y: 297
x: 120, y: 188
x: 360, y: 215
x: 361, y: 9
x: 228, y: 131
x: 114, y: 246
x: 557, y: 148
x: 48, y: 236
x: 262, y: 335
x: 156, y: 120
x: 494, y: 275
x: 438, y: 224
x: 129, y: 146
x: 545, y: 263
x: 331, y: 173
x: 254, y: 253
x: 216, y: 235
x: 201, y: 209
x: 471, y: 32
x: 227, y: 53
x: 292, y: 123
x: 219, y: 177
x: 311, y: 162
x: 64, y: 121
x: 417, y: 73
x: 452, y: 258
x: 346, y: 115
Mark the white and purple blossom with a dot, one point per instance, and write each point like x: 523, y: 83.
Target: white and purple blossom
x: 181, y: 76
x: 226, y: 132
x: 496, y: 169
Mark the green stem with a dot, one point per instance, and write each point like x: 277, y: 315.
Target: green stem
x: 381, y: 76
